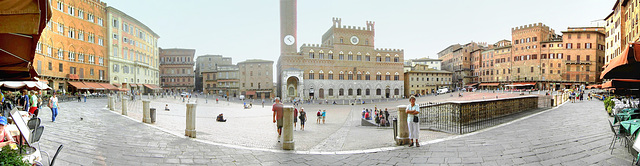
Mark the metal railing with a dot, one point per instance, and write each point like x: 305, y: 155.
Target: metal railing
x: 467, y: 116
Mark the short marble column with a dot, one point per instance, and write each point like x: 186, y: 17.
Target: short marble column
x: 190, y: 130
x: 112, y: 103
x: 403, y: 128
x: 146, y: 113
x: 287, y: 128
x: 124, y: 106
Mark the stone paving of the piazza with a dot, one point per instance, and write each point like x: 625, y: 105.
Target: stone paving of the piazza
x: 572, y: 134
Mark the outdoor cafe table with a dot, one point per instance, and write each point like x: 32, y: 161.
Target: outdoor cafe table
x: 630, y: 126
x: 628, y: 110
x: 623, y: 116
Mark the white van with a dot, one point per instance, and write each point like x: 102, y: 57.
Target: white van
x: 443, y: 90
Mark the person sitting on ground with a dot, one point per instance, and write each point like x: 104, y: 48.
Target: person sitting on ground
x: 5, y: 135
x: 166, y: 107
x: 220, y: 118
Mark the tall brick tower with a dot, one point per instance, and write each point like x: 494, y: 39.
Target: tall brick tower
x: 289, y: 80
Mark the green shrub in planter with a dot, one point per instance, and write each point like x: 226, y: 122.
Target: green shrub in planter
x: 11, y: 157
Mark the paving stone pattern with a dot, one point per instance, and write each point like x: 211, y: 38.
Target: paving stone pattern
x: 573, y: 134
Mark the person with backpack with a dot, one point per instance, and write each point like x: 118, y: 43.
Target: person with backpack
x: 303, y: 118
x: 319, y: 115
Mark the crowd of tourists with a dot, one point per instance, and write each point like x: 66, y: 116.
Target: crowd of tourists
x: 380, y: 116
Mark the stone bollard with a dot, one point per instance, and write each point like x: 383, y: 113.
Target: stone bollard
x: 403, y: 129
x: 287, y: 128
x: 190, y: 131
x: 112, y: 103
x: 124, y: 106
x: 109, y: 102
x: 146, y: 113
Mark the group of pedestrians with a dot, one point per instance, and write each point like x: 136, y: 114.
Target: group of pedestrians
x: 381, y: 117
x: 299, y: 115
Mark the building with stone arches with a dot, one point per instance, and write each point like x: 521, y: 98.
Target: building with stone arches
x: 346, y: 65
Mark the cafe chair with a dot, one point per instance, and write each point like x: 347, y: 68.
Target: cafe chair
x: 33, y: 123
x: 36, y: 134
x: 54, y: 156
x: 615, y: 136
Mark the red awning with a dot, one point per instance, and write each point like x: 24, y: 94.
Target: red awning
x: 489, y: 84
x: 624, y: 66
x: 622, y: 83
x: 79, y: 85
x: 250, y: 93
x: 108, y: 86
x: 22, y: 23
x: 522, y: 84
x: 94, y: 86
x: 151, y: 86
x: 117, y: 84
x: 472, y: 84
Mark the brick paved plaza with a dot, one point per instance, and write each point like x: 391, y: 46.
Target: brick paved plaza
x: 572, y: 134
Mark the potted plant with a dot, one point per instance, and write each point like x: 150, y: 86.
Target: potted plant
x: 11, y: 157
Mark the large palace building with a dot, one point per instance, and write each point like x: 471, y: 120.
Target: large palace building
x: 72, y: 47
x: 535, y: 58
x: 346, y: 65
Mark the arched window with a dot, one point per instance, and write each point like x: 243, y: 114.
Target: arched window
x: 350, y: 92
x: 378, y: 76
x: 330, y: 76
x: 396, y: 58
x: 396, y: 76
x: 359, y: 76
x: 350, y: 76
x: 311, y: 74
x: 368, y: 92
x: 367, y: 57
x: 341, y: 75
x: 350, y: 56
x: 359, y: 56
x: 321, y: 54
x: 359, y: 92
x: 396, y: 91
x: 331, y: 92
x: 311, y: 54
x: 330, y: 54
x: 378, y: 58
x: 387, y: 58
x: 321, y: 75
x: 341, y: 55
x: 367, y: 76
x: 378, y: 92
x: 387, y: 76
x: 341, y: 92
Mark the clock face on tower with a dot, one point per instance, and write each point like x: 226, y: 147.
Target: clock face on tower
x: 289, y: 40
x: 354, y: 40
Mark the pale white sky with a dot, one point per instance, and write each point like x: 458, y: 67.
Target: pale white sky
x: 249, y: 29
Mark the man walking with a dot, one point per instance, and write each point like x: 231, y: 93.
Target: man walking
x: 319, y: 115
x: 277, y: 116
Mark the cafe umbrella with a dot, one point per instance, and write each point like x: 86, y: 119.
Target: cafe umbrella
x: 624, y: 66
x: 21, y: 24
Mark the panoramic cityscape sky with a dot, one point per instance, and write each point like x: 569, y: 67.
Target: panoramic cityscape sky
x: 249, y: 29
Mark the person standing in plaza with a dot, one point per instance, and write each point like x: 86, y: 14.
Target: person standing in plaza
x: 277, y: 116
x: 413, y: 122
x: 386, y: 115
x: 319, y: 115
x: 324, y: 115
x: 295, y: 118
x: 33, y: 102
x: 303, y: 118
x: 24, y: 100
x: 53, y: 104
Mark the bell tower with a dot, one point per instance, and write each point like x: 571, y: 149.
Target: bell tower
x: 288, y: 27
